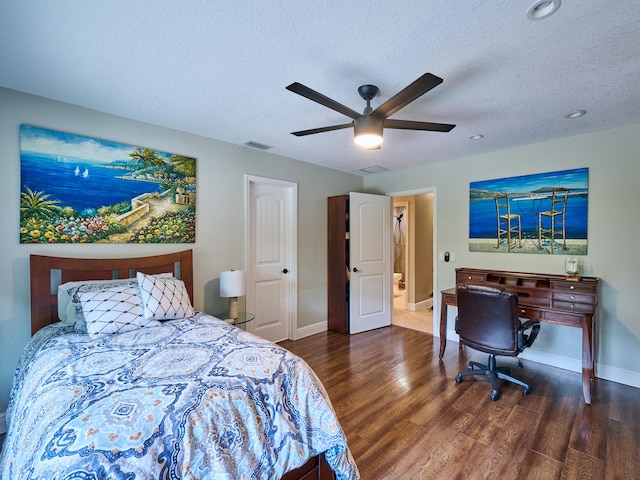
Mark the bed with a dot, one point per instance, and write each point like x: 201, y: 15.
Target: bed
x: 106, y: 388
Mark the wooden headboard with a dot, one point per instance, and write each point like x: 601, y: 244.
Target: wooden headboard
x: 49, y: 272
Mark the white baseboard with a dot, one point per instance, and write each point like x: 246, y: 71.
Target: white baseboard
x: 423, y: 305
x: 3, y: 422
x: 310, y: 330
x: 553, y: 360
x: 618, y: 375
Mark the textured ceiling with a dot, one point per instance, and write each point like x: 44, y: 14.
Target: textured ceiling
x: 219, y: 69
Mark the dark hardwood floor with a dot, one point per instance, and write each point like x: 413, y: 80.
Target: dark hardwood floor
x: 406, y: 418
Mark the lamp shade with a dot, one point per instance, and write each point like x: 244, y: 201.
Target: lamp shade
x: 232, y: 283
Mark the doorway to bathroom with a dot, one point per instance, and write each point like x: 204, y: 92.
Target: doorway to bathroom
x: 413, y: 260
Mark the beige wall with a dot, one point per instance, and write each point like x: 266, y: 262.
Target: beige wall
x: 419, y: 245
x: 614, y: 229
x: 220, y: 235
x: 614, y: 174
x: 424, y: 246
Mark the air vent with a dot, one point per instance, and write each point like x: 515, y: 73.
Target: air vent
x: 256, y: 145
x: 374, y: 169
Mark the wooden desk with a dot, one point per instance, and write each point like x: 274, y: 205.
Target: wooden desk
x: 546, y: 298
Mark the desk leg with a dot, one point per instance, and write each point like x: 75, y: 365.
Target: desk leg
x: 587, y: 356
x: 443, y: 327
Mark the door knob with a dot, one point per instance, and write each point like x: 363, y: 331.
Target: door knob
x: 355, y: 269
x: 285, y: 271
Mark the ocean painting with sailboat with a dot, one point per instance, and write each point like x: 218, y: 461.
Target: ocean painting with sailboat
x: 543, y: 213
x: 77, y: 189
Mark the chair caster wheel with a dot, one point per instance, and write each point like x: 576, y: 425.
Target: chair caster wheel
x: 526, y: 390
x: 494, y: 396
x: 458, y: 378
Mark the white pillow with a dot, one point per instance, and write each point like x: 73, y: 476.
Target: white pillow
x: 69, y: 307
x: 164, y: 298
x: 113, y: 310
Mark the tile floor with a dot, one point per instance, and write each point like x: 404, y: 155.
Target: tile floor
x: 421, y: 320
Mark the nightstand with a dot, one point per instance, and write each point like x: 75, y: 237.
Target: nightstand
x: 243, y: 317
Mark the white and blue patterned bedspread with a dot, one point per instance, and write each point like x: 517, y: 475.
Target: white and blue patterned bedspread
x: 193, y: 398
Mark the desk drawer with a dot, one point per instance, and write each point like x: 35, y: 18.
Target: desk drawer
x: 532, y: 297
x: 573, y: 298
x: 573, y: 307
x: 529, y: 313
x: 470, y: 277
x: 562, y: 318
x: 576, y: 287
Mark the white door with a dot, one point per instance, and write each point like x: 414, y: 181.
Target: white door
x: 371, y: 295
x: 271, y: 252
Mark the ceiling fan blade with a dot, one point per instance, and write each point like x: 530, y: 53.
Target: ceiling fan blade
x: 302, y: 133
x: 322, y: 99
x: 408, y: 94
x: 411, y: 125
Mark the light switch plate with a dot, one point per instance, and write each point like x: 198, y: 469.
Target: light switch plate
x: 452, y: 256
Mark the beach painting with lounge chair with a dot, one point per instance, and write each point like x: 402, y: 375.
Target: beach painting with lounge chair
x: 544, y: 213
x: 77, y: 189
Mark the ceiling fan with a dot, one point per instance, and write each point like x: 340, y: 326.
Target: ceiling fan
x: 368, y: 126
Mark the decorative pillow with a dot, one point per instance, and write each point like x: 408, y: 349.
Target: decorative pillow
x: 113, y: 310
x: 164, y: 298
x: 69, y: 307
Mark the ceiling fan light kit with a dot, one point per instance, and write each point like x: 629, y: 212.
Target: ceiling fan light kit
x: 369, y: 125
x: 368, y: 131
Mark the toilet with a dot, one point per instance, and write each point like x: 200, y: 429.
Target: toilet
x: 396, y: 279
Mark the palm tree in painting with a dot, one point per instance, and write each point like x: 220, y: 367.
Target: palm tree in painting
x: 37, y: 204
x: 148, y: 157
x: 184, y: 165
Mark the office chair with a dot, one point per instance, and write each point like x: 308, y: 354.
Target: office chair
x: 556, y: 219
x: 506, y: 225
x: 488, y: 321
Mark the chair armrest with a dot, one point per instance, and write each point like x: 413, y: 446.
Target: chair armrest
x: 527, y: 340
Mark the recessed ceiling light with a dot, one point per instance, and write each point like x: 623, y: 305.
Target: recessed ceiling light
x: 575, y: 114
x: 542, y: 9
x: 476, y: 137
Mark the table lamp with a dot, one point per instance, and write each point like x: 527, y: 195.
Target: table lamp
x: 232, y: 286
